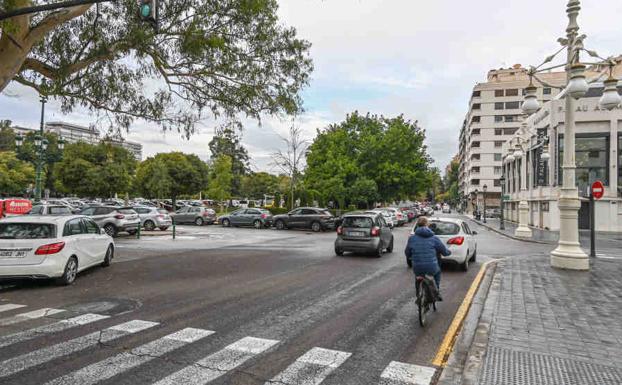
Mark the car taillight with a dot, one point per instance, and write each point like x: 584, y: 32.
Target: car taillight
x: 205, y: 214
x: 375, y: 231
x: 263, y: 216
x: 119, y: 216
x: 456, y: 241
x: 52, y: 248
x: 339, y: 230
x: 160, y: 216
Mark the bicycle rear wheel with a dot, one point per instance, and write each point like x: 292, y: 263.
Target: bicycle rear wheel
x: 422, y: 304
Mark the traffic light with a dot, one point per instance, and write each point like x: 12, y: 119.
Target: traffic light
x: 149, y: 12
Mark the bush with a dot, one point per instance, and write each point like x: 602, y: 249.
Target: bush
x: 278, y: 210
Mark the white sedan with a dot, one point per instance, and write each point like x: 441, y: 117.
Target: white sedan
x: 458, y: 237
x: 52, y: 247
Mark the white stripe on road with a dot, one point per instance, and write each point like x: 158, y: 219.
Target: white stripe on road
x: 39, y: 313
x: 10, y: 306
x: 219, y: 363
x: 312, y: 367
x: 37, y: 357
x: 398, y: 373
x: 122, y: 362
x: 52, y: 328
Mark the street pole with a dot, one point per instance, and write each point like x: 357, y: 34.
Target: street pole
x: 568, y: 254
x: 592, y: 225
x: 40, y: 153
x: 502, y: 203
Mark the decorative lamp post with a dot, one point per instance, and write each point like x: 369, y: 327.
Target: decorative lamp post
x: 502, y: 213
x: 568, y: 254
x: 485, y: 188
x: 523, y: 230
x: 19, y: 140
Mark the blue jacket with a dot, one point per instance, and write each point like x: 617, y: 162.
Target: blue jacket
x: 422, y: 249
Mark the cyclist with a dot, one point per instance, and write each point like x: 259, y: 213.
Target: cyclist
x: 422, y: 249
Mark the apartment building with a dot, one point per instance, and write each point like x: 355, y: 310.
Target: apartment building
x: 494, y: 116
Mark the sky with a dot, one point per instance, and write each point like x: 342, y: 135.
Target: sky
x: 388, y: 57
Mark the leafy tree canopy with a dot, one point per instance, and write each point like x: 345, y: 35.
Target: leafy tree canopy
x: 220, y: 179
x: 15, y: 175
x: 227, y: 142
x: 223, y: 57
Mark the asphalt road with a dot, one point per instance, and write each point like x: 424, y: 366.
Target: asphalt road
x: 264, y: 306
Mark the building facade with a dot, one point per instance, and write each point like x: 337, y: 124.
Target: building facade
x: 494, y: 116
x: 536, y: 181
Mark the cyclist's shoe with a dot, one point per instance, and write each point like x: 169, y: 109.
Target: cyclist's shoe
x: 439, y: 298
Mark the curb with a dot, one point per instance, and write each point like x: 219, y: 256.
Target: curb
x: 460, y: 365
x: 511, y: 236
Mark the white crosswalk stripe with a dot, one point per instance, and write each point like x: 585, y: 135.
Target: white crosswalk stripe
x: 39, y: 313
x: 398, y: 373
x: 125, y: 361
x: 37, y: 357
x: 219, y: 363
x: 10, y: 306
x: 52, y: 328
x: 312, y: 367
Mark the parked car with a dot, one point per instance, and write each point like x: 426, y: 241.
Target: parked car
x: 198, y: 215
x: 458, y: 236
x: 114, y: 219
x: 50, y: 209
x: 388, y: 216
x: 364, y: 233
x: 397, y: 216
x: 52, y: 247
x: 446, y: 209
x: 258, y: 218
x: 305, y: 218
x: 493, y: 213
x: 152, y: 217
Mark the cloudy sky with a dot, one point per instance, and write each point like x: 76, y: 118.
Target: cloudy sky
x: 412, y: 57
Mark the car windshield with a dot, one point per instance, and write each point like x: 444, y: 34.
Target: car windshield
x: 444, y: 228
x: 357, y: 222
x: 26, y: 230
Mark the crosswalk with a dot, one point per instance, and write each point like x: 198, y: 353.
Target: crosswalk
x: 312, y: 367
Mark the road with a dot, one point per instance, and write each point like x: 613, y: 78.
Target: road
x: 233, y: 306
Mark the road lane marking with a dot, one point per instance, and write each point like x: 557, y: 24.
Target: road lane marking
x: 398, y: 373
x: 125, y: 361
x: 39, y: 313
x: 452, y: 332
x: 52, y: 328
x: 219, y: 363
x: 49, y: 353
x: 10, y: 306
x: 312, y: 367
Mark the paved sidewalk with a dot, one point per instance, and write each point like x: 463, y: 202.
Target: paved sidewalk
x: 551, y: 327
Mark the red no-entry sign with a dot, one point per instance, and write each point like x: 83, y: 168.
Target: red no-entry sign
x: 598, y: 189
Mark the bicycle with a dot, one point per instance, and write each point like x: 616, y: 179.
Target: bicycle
x: 426, y: 296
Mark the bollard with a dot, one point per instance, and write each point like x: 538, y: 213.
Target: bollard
x: 138, y: 232
x: 174, y: 230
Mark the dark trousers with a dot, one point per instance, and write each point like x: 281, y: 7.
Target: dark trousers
x: 436, y: 275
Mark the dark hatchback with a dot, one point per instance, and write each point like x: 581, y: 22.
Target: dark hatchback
x: 364, y: 233
x: 305, y: 218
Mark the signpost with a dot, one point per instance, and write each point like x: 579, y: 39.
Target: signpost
x: 597, y: 191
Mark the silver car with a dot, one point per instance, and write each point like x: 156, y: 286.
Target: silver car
x: 152, y: 217
x: 198, y: 215
x: 365, y: 233
x: 114, y: 219
x: 50, y: 209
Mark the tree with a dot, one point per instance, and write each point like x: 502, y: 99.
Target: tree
x: 187, y: 173
x: 291, y: 160
x: 227, y: 142
x: 219, y: 56
x: 257, y: 184
x: 220, y: 180
x: 451, y: 181
x: 15, y: 175
x: 364, y: 192
x: 152, y: 179
x: 7, y: 136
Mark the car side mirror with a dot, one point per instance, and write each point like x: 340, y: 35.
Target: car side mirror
x: 102, y: 232
x: 474, y: 232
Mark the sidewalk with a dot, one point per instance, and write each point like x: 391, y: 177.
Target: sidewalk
x: 546, y: 326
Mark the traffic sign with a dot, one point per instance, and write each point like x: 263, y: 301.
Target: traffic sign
x: 598, y: 189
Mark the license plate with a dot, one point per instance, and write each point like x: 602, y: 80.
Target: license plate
x: 12, y: 254
x: 356, y: 233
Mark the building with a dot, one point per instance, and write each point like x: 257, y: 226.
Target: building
x: 536, y: 181
x: 494, y: 116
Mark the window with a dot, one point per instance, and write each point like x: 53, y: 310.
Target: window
x: 497, y: 169
x: 357, y: 222
x: 476, y: 119
x: 444, y: 228
x: 58, y: 210
x: 477, y: 106
x: 512, y: 105
x: 27, y: 231
x: 498, y: 131
x: 497, y: 182
x: 509, y: 131
x: 37, y: 210
x: 474, y: 182
x: 592, y: 159
x: 476, y: 157
x: 475, y: 170
x: 498, y: 157
x: 296, y: 212
x: 499, y: 93
x: 103, y: 210
x: 498, y: 143
x: 308, y: 212
x: 499, y: 106
x: 475, y: 144
x: 512, y: 92
x: 546, y: 91
x: 477, y: 94
x: 475, y: 131
x: 498, y: 118
x: 91, y: 227
x: 511, y: 118
x: 142, y: 210
x: 88, y: 211
x: 466, y: 228
x: 73, y: 227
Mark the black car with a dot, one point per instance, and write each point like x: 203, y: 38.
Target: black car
x: 305, y: 218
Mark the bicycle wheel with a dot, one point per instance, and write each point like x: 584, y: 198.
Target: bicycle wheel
x: 422, y: 304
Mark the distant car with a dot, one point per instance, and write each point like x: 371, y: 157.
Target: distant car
x: 364, y: 233
x: 114, y: 219
x: 388, y: 216
x: 459, y: 238
x: 305, y: 218
x: 50, y: 209
x: 152, y: 217
x: 258, y: 218
x: 52, y: 247
x: 399, y: 217
x: 197, y: 215
x: 493, y: 213
x: 446, y: 209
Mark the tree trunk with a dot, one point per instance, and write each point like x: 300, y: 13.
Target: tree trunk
x: 14, y: 45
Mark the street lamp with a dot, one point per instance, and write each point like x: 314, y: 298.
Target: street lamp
x: 485, y: 189
x: 568, y: 254
x: 19, y: 140
x: 502, y: 214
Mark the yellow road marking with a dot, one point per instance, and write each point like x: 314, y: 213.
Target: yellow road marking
x: 450, y: 337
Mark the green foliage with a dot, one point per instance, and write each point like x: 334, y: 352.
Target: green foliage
x: 186, y: 175
x: 7, y: 136
x: 451, y: 181
x: 15, y: 175
x: 255, y: 185
x: 366, y: 158
x: 220, y: 179
x: 94, y: 170
x: 152, y: 179
x: 227, y: 142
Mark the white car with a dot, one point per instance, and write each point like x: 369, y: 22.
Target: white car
x: 458, y: 237
x: 52, y: 247
x: 446, y: 209
x: 387, y: 215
